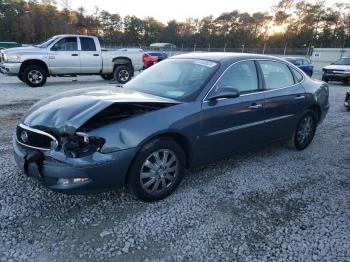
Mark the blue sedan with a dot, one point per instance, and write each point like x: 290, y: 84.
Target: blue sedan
x: 186, y: 111
x: 303, y: 63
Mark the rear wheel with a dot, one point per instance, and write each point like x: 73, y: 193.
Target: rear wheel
x: 122, y: 74
x: 149, y: 64
x: 34, y: 76
x: 156, y: 170
x: 304, y: 131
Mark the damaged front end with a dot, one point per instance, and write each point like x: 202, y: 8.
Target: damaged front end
x: 70, y: 157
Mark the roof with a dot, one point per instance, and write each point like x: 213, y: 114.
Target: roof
x: 223, y: 56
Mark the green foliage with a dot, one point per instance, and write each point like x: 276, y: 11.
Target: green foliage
x: 304, y: 24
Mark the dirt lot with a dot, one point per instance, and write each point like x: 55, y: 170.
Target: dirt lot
x: 271, y: 204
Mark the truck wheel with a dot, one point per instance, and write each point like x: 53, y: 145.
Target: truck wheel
x: 107, y: 76
x: 34, y: 76
x: 122, y: 74
x: 21, y: 77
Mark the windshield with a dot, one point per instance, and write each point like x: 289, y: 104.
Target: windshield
x: 179, y: 79
x: 46, y: 43
x: 343, y: 61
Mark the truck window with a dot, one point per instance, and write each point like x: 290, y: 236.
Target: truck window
x: 66, y: 44
x: 87, y: 44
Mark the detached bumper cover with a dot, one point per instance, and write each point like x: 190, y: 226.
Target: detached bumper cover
x: 10, y: 68
x: 104, y: 171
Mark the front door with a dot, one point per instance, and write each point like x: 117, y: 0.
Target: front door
x: 64, y: 57
x: 234, y: 124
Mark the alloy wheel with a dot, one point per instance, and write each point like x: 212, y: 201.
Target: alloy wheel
x: 124, y: 75
x: 35, y: 76
x: 305, y: 130
x: 159, y: 171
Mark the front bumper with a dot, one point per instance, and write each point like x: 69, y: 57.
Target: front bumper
x: 102, y: 171
x: 336, y: 77
x: 10, y: 68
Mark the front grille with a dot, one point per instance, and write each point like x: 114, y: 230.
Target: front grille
x: 333, y: 71
x: 34, y: 138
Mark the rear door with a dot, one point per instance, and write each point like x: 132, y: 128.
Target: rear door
x: 90, y: 57
x: 230, y: 125
x: 285, y: 98
x: 64, y: 57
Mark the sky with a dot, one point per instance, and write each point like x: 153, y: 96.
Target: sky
x: 165, y: 10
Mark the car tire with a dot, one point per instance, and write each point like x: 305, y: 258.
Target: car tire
x: 304, y: 131
x: 34, y: 76
x: 107, y: 77
x: 156, y: 170
x: 149, y: 64
x: 20, y: 76
x: 122, y: 74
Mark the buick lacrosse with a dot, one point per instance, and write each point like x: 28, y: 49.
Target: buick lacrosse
x: 183, y: 112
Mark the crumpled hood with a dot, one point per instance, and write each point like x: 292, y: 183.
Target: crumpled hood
x: 338, y: 67
x: 66, y: 112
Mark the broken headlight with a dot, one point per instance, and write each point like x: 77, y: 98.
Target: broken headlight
x: 81, y: 145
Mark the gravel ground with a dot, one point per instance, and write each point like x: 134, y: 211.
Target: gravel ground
x: 272, y: 204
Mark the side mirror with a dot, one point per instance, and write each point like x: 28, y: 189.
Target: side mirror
x: 54, y: 48
x: 225, y: 92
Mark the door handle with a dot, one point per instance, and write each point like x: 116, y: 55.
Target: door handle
x: 299, y: 97
x: 96, y: 55
x: 255, y: 106
x: 74, y: 54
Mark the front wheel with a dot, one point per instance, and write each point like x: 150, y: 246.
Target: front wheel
x: 122, y: 74
x: 107, y: 77
x: 34, y: 76
x: 21, y: 77
x: 304, y: 131
x: 156, y: 170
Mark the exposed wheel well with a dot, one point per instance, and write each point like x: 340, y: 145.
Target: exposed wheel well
x: 123, y: 61
x: 27, y: 63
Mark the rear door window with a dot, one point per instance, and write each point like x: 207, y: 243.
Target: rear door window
x: 276, y: 74
x: 87, y: 44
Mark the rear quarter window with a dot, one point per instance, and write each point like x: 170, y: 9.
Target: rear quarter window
x: 297, y: 75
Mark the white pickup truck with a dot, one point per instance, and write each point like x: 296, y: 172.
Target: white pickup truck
x: 69, y: 55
